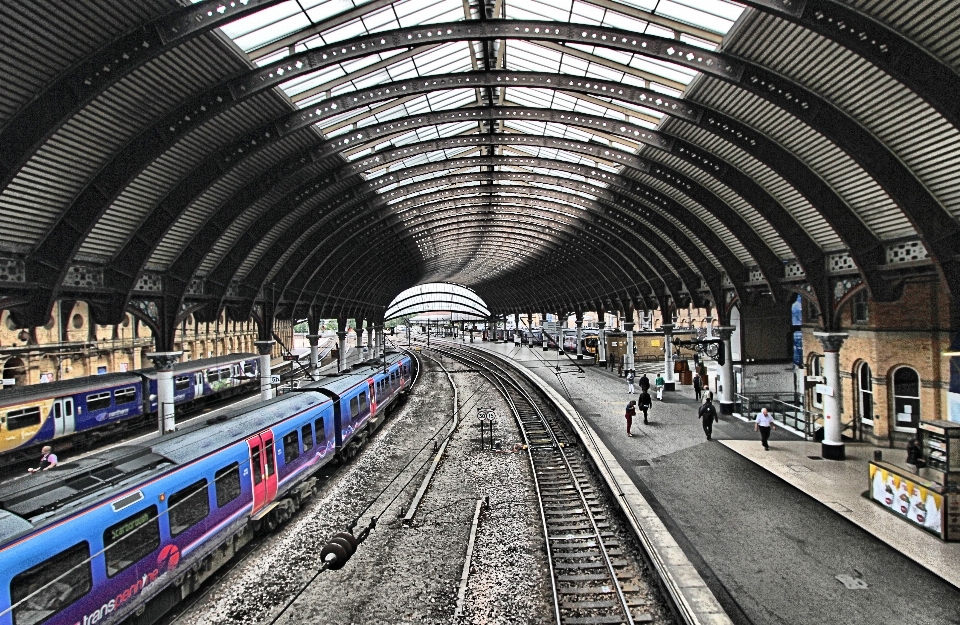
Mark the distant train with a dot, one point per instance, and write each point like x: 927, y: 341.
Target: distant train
x: 126, y: 534
x: 42, y: 413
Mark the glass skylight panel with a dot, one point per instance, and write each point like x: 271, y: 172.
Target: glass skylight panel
x: 417, y: 12
x: 583, y: 13
x: 351, y: 29
x: 384, y: 19
x: 557, y: 10
x: 527, y: 57
x: 264, y: 18
x: 670, y: 71
x: 706, y: 14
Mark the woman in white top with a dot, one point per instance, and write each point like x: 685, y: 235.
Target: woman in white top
x: 764, y: 425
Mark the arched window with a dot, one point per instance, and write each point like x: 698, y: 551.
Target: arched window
x: 906, y: 398
x: 865, y: 393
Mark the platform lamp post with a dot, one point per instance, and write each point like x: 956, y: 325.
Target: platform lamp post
x: 163, y: 362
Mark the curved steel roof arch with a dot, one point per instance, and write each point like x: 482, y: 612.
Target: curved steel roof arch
x: 418, y: 299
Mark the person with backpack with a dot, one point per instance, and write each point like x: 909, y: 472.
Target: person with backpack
x: 644, y: 383
x: 707, y: 414
x: 630, y: 377
x: 644, y: 403
x: 697, y: 386
x: 629, y: 414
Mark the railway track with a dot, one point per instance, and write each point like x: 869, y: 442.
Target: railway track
x: 592, y: 581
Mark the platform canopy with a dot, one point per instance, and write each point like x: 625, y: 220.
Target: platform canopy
x: 450, y: 302
x: 318, y: 157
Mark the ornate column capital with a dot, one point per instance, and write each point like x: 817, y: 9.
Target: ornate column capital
x: 341, y: 334
x: 314, y: 339
x: 579, y: 323
x: 666, y: 328
x: 725, y: 332
x: 265, y: 348
x: 831, y: 341
x: 601, y: 325
x: 164, y: 361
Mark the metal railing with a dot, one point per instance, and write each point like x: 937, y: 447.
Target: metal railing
x: 786, y: 409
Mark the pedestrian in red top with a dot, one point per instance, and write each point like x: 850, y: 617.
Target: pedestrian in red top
x: 629, y: 414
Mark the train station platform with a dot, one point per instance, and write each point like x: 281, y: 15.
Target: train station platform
x: 778, y: 537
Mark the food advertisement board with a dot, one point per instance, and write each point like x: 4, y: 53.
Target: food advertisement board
x: 906, y: 498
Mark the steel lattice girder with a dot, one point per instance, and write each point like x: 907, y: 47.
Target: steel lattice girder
x: 298, y: 275
x: 767, y: 259
x: 47, y: 264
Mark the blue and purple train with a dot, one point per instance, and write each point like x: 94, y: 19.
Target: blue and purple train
x: 125, y: 535
x: 70, y: 410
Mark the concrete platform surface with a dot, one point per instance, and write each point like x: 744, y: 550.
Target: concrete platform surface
x: 840, y: 487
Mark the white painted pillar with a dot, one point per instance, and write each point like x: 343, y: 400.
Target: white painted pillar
x: 372, y: 341
x: 709, y: 328
x: 579, y: 338
x: 832, y: 447
x: 314, y: 351
x: 265, y: 348
x: 163, y: 362
x: 726, y: 370
x: 628, y: 357
x: 669, y: 381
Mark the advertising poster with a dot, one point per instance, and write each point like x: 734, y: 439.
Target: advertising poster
x: 915, y: 503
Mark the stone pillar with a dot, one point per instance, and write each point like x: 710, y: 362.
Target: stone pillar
x: 380, y: 337
x: 726, y: 370
x: 579, y: 336
x: 601, y: 342
x: 669, y: 382
x: 163, y: 362
x: 543, y: 331
x: 265, y: 348
x: 832, y: 447
x: 709, y: 328
x: 342, y: 349
x: 314, y: 351
x: 372, y: 340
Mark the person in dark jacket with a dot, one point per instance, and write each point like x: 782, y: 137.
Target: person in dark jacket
x: 644, y: 403
x: 629, y: 414
x: 707, y: 414
x: 915, y: 458
x: 697, y: 385
x: 644, y: 383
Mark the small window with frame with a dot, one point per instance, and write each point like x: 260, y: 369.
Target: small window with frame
x: 354, y: 407
x: 859, y: 309
x: 23, y: 418
x: 307, y: 435
x: 131, y: 540
x: 181, y: 383
x: 227, y: 482
x: 49, y: 587
x: 213, y: 376
x: 291, y: 447
x: 364, y: 406
x: 98, y: 401
x: 319, y: 427
x: 125, y: 395
x: 187, y: 507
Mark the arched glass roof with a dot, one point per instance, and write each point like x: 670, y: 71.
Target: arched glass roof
x: 436, y: 297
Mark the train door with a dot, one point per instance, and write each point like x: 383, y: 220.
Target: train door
x: 263, y: 469
x: 64, y: 420
x: 373, y: 397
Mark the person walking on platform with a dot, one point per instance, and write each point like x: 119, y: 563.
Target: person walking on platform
x: 644, y: 403
x: 697, y: 385
x: 707, y: 414
x: 659, y: 384
x: 630, y: 377
x: 644, y: 383
x: 764, y: 425
x: 48, y: 460
x: 629, y: 414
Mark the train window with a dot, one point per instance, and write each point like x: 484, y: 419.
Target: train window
x: 225, y: 374
x: 227, y: 482
x: 125, y: 395
x: 182, y: 383
x: 23, y: 418
x: 248, y: 368
x: 212, y: 375
x: 271, y: 460
x: 364, y: 407
x: 320, y: 429
x: 291, y: 447
x: 43, y: 590
x: 131, y: 540
x: 354, y: 407
x: 255, y: 464
x: 188, y: 507
x: 98, y: 401
x: 307, y: 434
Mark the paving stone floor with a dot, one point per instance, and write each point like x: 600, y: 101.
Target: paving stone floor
x: 770, y: 553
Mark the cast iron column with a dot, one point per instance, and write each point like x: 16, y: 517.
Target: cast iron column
x: 628, y: 360
x: 726, y: 370
x: 669, y: 383
x: 832, y: 447
x: 579, y: 335
x: 341, y: 349
x: 265, y: 348
x: 163, y: 362
x: 314, y: 351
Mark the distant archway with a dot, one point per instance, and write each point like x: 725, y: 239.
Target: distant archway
x: 459, y: 301
x: 14, y: 369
